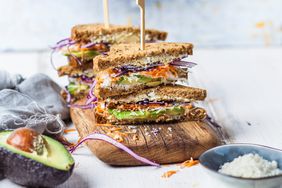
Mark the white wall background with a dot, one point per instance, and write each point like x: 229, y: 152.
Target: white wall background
x: 32, y: 25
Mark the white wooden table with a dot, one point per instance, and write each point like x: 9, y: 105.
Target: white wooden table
x: 244, y: 95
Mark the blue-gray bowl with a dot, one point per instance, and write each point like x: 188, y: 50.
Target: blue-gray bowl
x: 214, y: 158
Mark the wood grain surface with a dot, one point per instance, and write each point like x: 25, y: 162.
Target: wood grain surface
x: 162, y: 143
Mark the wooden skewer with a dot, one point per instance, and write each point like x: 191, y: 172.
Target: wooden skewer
x: 141, y: 4
x: 106, y: 13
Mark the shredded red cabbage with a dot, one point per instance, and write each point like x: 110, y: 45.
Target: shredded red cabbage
x: 130, y: 68
x: 87, y: 79
x: 91, y: 100
x: 63, y: 40
x: 89, y: 106
x: 59, y: 45
x: 147, y: 101
x: 73, y: 56
x: 92, y: 97
x: 68, y: 100
x: 84, y: 78
x: 91, y: 44
x: 91, y: 89
x: 62, y: 43
x: 103, y: 137
x: 180, y: 63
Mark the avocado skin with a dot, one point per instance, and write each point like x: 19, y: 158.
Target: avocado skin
x: 27, y: 172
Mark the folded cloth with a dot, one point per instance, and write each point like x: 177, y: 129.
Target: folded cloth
x: 35, y: 102
x: 46, y: 93
x: 8, y: 81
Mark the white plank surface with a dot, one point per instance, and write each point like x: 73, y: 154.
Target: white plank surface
x: 244, y: 86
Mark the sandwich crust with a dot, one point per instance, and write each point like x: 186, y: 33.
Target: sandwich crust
x: 84, y: 32
x: 131, y: 54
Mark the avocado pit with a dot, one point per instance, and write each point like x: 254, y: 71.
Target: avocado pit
x: 27, y: 140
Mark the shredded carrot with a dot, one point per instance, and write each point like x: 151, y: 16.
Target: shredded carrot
x: 189, y: 163
x: 103, y: 124
x: 69, y: 130
x: 99, y: 109
x: 113, y: 129
x: 161, y: 71
x: 169, y: 173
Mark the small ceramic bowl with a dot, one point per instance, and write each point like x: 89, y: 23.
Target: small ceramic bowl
x: 216, y: 157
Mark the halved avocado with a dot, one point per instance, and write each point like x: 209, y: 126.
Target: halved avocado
x: 31, y: 169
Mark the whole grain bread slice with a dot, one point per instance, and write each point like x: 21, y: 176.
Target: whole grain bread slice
x: 130, y: 54
x: 84, y: 32
x: 178, y: 93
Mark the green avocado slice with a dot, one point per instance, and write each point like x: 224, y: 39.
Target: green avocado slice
x: 74, y: 88
x: 146, y: 114
x: 135, y: 78
x: 58, y: 157
x: 87, y: 55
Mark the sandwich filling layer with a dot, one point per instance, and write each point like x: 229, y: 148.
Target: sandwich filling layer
x: 85, y: 52
x: 132, y: 76
x: 145, y: 111
x: 79, y: 86
x: 126, y: 78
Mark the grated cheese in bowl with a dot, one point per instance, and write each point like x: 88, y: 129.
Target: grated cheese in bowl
x: 250, y: 166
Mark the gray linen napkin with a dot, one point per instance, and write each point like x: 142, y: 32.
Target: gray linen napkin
x: 35, y: 102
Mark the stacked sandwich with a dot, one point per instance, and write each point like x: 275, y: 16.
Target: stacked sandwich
x: 136, y: 86
x: 88, y: 41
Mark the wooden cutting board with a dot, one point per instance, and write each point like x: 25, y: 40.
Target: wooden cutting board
x: 162, y: 143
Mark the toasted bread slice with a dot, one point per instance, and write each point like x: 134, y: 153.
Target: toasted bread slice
x: 177, y: 93
x: 113, y: 34
x: 130, y: 54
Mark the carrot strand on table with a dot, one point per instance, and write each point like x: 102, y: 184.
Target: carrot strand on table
x: 169, y: 173
x: 69, y: 130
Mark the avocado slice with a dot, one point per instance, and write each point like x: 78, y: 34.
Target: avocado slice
x: 74, y: 88
x: 141, y: 79
x: 147, y: 114
x: 87, y: 55
x: 31, y: 169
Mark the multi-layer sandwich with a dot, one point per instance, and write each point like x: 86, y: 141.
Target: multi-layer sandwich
x: 90, y: 40
x: 136, y: 86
